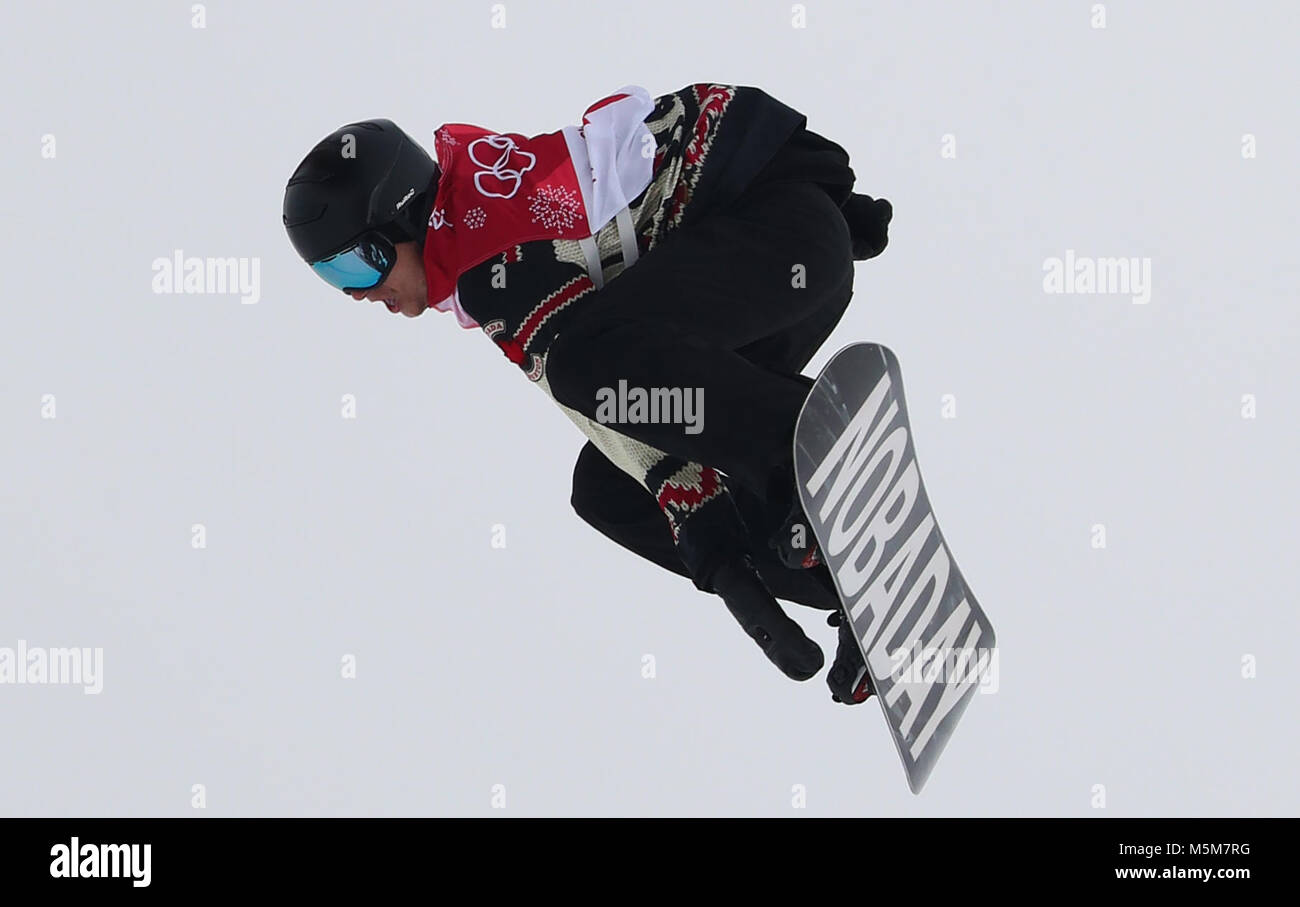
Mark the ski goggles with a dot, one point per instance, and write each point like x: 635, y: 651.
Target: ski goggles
x: 362, y: 266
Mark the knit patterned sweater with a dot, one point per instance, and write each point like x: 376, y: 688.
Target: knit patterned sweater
x: 711, y: 141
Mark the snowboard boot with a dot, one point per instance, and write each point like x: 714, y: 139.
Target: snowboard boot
x: 792, y: 541
x: 782, y: 640
x: 848, y: 678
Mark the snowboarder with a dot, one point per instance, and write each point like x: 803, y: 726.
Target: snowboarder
x: 701, y: 241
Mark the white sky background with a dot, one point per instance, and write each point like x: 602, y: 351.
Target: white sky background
x: 522, y: 667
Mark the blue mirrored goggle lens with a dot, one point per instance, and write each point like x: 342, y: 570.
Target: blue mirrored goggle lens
x: 359, y: 268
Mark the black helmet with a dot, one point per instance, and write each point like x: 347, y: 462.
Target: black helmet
x: 362, y: 188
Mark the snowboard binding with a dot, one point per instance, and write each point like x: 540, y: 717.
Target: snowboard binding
x: 848, y: 678
x: 783, y: 499
x: 782, y: 542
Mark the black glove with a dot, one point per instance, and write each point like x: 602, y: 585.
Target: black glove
x: 868, y: 220
x: 760, y: 615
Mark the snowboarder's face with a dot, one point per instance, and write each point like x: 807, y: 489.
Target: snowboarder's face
x: 404, y: 289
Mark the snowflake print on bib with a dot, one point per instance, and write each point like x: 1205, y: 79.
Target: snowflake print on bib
x: 555, y: 207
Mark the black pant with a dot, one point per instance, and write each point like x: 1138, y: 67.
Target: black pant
x: 618, y: 507
x: 735, y: 304
x: 717, y: 305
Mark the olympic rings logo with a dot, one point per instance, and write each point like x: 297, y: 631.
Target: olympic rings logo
x: 497, y: 168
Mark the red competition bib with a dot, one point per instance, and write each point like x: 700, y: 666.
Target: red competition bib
x: 497, y: 190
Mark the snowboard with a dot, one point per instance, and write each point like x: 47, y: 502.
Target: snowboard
x: 925, y: 640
